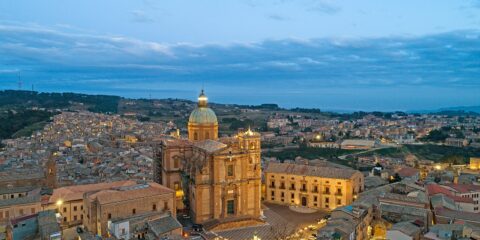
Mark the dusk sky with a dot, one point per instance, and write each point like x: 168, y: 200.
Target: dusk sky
x: 337, y: 55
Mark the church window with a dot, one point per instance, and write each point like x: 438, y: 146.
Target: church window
x: 230, y: 170
x: 230, y: 207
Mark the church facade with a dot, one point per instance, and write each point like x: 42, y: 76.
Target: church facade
x: 215, y: 179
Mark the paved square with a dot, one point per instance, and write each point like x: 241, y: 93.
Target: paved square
x: 280, y: 223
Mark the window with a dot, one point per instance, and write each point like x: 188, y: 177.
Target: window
x: 81, y: 207
x: 175, y: 163
x: 273, y: 184
x: 21, y: 212
x: 327, y: 200
x: 154, y: 207
x: 282, y: 185
x: 195, y: 136
x: 230, y: 170
x: 123, y: 231
x: 283, y: 194
x: 273, y: 193
x: 134, y: 211
x: 12, y: 196
x: 110, y: 215
x: 75, y: 218
x: 315, y: 198
x: 327, y: 190
x: 1, y: 215
x: 65, y: 219
x: 207, y: 135
x: 339, y: 191
x: 176, y: 186
x: 339, y: 201
x: 165, y: 205
x: 315, y: 188
x: 231, y: 207
x: 81, y: 216
x: 293, y: 195
x: 75, y: 208
x: 292, y: 186
x: 32, y: 210
x: 64, y: 209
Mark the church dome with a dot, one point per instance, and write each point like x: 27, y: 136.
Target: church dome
x: 203, y: 114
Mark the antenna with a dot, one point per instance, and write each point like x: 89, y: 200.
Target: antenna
x: 20, y: 83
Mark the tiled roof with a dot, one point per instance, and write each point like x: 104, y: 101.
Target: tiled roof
x: 464, y: 188
x: 407, y: 228
x: 434, y: 189
x: 457, y: 215
x: 210, y: 145
x: 130, y: 192
x: 163, y: 225
x: 408, y: 172
x: 306, y: 170
x: 72, y: 193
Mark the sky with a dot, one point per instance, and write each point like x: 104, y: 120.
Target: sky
x: 333, y: 55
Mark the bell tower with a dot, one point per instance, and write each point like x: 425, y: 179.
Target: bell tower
x: 51, y: 171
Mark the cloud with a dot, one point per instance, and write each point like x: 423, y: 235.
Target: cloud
x: 141, y: 16
x: 325, y: 7
x: 278, y: 17
x: 443, y: 60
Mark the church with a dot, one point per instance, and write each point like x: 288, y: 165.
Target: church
x: 217, y: 180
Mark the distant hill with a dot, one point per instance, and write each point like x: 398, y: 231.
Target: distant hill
x: 475, y: 109
x: 452, y: 111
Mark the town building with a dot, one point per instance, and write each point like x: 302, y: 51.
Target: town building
x: 216, y: 180
x: 103, y: 207
x: 311, y: 186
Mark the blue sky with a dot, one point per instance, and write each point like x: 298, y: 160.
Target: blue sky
x: 349, y: 55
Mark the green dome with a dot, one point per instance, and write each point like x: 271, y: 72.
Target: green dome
x: 203, y: 115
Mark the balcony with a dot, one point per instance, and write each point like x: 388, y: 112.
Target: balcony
x: 293, y: 189
x: 282, y: 187
x: 315, y: 191
x: 303, y: 190
x: 338, y: 194
x: 326, y: 192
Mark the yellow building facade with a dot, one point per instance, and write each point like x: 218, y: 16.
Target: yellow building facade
x: 311, y: 186
x: 216, y: 179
